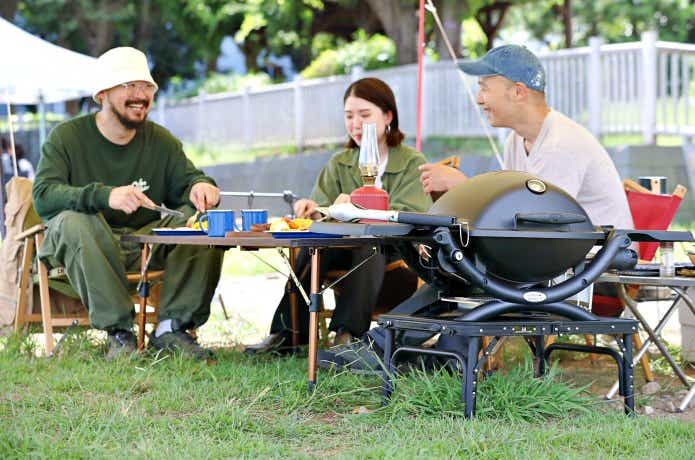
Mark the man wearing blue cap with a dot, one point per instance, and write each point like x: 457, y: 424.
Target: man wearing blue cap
x: 543, y: 142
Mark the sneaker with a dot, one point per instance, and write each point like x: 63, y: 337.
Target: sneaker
x: 359, y: 357
x: 180, y: 341
x: 342, y: 337
x: 120, y: 343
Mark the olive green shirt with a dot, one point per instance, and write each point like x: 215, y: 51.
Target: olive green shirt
x: 79, y: 167
x: 401, y: 179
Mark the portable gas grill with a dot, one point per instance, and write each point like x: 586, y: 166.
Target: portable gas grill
x: 507, y: 235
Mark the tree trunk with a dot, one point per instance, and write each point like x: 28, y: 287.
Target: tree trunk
x: 143, y: 28
x: 451, y: 13
x: 8, y: 8
x: 399, y: 19
x: 567, y: 22
x: 99, y: 31
x: 490, y: 18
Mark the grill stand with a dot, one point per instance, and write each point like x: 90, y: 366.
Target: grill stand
x: 471, y: 360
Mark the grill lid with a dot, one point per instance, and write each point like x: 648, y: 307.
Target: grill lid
x: 521, y: 228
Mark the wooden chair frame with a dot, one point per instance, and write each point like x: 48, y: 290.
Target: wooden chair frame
x: 33, y: 238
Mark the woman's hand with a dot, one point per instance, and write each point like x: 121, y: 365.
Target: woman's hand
x: 305, y: 208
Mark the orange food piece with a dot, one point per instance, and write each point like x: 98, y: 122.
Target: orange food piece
x: 290, y: 223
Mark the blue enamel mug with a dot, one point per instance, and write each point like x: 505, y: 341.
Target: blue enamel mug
x: 220, y: 221
x: 253, y: 216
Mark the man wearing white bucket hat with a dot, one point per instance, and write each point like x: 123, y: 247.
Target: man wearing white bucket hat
x: 99, y: 177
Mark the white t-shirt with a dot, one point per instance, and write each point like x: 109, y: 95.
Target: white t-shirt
x: 568, y: 156
x: 382, y: 169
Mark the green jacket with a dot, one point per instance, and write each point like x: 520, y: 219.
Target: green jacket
x: 401, y: 179
x: 79, y: 167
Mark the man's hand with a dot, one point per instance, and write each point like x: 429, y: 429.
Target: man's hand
x: 342, y: 198
x: 439, y: 178
x: 128, y: 199
x: 305, y: 208
x: 204, y: 196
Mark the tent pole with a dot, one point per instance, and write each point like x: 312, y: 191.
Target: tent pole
x: 11, y: 127
x: 420, y: 50
x: 42, y: 119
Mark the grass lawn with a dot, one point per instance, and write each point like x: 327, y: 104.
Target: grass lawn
x: 76, y: 405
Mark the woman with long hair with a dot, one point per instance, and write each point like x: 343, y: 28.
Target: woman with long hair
x: 368, y: 100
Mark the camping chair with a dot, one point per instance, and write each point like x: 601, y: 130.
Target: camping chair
x: 55, y: 293
x: 650, y: 211
x: 400, y: 282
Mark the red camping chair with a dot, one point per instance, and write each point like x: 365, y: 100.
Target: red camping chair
x: 649, y: 211
x: 653, y: 212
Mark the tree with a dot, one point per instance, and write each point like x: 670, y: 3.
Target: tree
x: 491, y: 17
x: 399, y: 19
x: 8, y: 8
x: 452, y: 14
x: 203, y: 24
x: 615, y: 21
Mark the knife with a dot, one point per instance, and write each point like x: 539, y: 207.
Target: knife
x: 164, y: 210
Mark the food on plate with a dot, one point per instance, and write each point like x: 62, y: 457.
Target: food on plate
x: 285, y: 224
x: 302, y: 224
x: 279, y: 225
x: 260, y: 227
x: 196, y: 225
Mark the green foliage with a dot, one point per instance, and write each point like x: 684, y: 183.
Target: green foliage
x: 284, y: 27
x: 614, y: 21
x: 218, y: 83
x: 515, y: 396
x: 369, y: 52
x: 473, y: 39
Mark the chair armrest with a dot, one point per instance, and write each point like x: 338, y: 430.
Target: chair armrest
x: 629, y: 184
x: 680, y: 191
x: 30, y: 232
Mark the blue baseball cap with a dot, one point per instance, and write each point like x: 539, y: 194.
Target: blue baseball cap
x: 514, y: 62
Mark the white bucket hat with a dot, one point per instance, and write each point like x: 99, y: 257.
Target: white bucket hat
x: 120, y: 65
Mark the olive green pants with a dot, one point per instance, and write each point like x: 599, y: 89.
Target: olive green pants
x: 96, y: 262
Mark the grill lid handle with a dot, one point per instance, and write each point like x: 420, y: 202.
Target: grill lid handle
x: 549, y: 218
x: 432, y: 220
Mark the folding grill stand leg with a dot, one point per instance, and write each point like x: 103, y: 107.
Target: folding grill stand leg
x: 471, y: 376
x: 313, y: 317
x: 623, y: 360
x: 687, y: 399
x: 628, y: 375
x: 691, y: 392
x: 537, y: 346
x: 645, y: 345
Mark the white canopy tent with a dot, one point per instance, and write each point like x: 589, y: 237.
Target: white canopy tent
x: 39, y: 72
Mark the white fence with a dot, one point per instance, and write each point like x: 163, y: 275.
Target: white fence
x: 645, y: 87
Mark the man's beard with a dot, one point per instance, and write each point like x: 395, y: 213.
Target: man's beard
x: 125, y: 121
